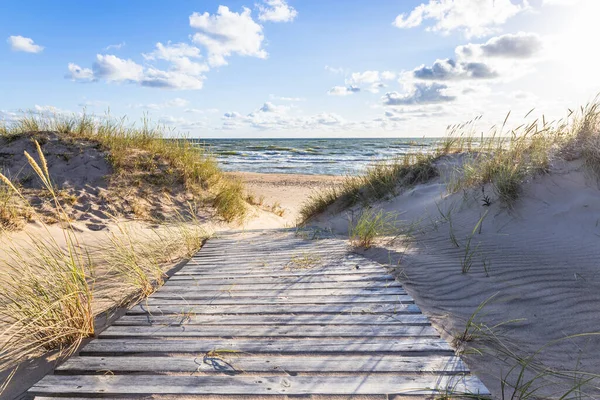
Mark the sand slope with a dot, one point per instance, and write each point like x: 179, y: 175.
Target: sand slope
x: 543, y: 260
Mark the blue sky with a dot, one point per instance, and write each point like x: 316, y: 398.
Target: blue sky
x: 299, y: 68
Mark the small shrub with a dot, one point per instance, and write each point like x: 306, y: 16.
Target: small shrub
x: 229, y: 201
x: 370, y: 225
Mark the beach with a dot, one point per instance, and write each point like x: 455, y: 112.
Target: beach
x: 290, y: 191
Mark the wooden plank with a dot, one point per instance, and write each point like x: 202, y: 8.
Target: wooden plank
x: 276, y: 253
x: 189, y: 298
x: 279, y: 331
x: 115, y: 385
x: 292, y: 286
x: 352, y: 309
x: 283, y: 266
x: 274, y: 275
x: 284, y: 279
x: 288, y: 319
x: 238, y: 363
x: 272, y: 269
x: 232, y: 291
x: 405, y: 346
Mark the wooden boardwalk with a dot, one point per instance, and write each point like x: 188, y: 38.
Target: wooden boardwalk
x: 269, y: 314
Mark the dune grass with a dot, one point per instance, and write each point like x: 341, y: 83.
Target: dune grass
x: 46, y: 294
x: 525, y: 376
x: 145, y: 148
x: 14, y: 213
x: 370, y: 225
x: 379, y: 181
x: 137, y: 257
x: 504, y: 159
x: 48, y: 287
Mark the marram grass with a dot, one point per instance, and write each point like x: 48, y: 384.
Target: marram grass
x: 191, y: 164
x: 46, y: 290
x: 504, y: 159
x: 47, y: 287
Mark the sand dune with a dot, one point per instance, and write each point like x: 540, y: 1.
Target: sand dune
x: 542, y: 260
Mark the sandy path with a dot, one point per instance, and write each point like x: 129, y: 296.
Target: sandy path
x: 288, y: 190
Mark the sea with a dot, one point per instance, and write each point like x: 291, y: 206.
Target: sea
x: 311, y: 156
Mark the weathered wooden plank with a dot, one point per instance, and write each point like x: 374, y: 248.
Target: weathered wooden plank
x: 281, y: 274
x: 407, y: 346
x: 266, y: 385
x: 276, y: 253
x: 280, y: 331
x: 285, y: 319
x: 238, y: 363
x: 282, y: 266
x: 202, y: 292
x: 190, y: 299
x: 273, y: 269
x: 292, y: 286
x: 352, y: 309
x: 284, y: 279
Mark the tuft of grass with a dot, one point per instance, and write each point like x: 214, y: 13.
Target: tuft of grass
x: 467, y: 260
x: 317, y: 202
x: 371, y: 224
x: 379, y: 181
x: 587, y: 139
x: 14, y: 213
x: 305, y: 260
x: 230, y: 200
x: 46, y: 293
x: 135, y: 260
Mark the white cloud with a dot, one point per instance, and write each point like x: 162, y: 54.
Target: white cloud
x: 227, y: 33
x: 272, y: 108
x: 172, y: 79
x: 117, y: 46
x: 273, y: 117
x: 388, y: 75
x: 276, y: 11
x: 48, y: 110
x: 114, y: 69
x: 364, y: 77
x: 373, y: 80
x: 334, y: 70
x: 201, y: 111
x: 519, y: 45
x: 448, y: 69
x: 283, y: 98
x: 342, y: 90
x: 177, y: 102
x: 475, y: 18
x: 79, y: 74
x: 420, y: 93
x: 170, y: 52
x: 183, y: 72
x: 93, y: 103
x: 20, y: 43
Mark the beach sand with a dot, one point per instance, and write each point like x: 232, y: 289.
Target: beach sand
x: 538, y: 262
x: 290, y: 191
